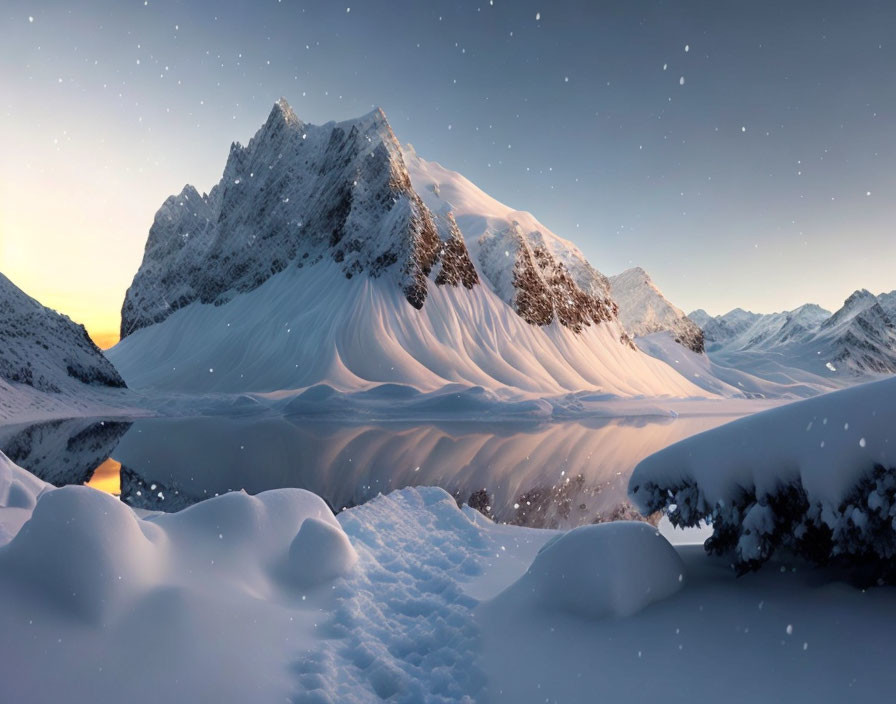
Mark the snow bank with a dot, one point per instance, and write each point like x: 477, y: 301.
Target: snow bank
x: 611, y: 569
x: 817, y: 478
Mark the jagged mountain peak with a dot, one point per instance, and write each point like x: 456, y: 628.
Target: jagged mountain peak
x: 284, y: 112
x: 635, y: 272
x: 700, y: 317
x: 856, y: 304
x: 859, y: 298
x: 297, y: 193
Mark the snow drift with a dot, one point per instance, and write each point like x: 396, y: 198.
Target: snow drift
x: 361, y: 332
x: 816, y: 478
x: 206, y: 610
x: 88, y: 554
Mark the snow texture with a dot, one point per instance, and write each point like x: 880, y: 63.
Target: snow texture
x: 48, y: 364
x: 204, y: 610
x: 311, y: 325
x: 702, y: 370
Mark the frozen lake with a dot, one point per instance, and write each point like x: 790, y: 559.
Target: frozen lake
x: 548, y: 475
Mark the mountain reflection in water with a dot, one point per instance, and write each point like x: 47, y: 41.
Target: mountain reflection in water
x: 551, y: 475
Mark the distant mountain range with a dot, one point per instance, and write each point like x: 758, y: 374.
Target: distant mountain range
x: 796, y: 353
x: 857, y: 340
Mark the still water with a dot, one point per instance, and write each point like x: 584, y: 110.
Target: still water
x: 552, y: 475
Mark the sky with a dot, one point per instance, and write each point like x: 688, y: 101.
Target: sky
x: 741, y: 153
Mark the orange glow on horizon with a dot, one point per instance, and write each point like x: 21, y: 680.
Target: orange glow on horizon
x: 104, y: 339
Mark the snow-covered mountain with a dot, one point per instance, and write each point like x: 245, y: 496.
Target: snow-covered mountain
x: 644, y: 310
x: 856, y: 341
x: 328, y: 254
x: 46, y: 360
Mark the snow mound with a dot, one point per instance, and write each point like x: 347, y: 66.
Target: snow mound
x: 85, y: 554
x: 596, y: 571
x: 18, y: 496
x: 320, y: 553
x: 816, y: 478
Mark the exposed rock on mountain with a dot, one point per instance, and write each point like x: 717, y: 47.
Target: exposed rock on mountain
x: 296, y: 194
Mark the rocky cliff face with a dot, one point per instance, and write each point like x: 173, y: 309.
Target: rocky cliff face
x: 541, y: 276
x: 45, y: 350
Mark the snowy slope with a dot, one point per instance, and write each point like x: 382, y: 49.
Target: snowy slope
x: 328, y: 255
x: 362, y: 332
x: 643, y: 310
x: 727, y: 381
x: 48, y: 364
x: 741, y: 330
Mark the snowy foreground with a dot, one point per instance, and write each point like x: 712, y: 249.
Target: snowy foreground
x: 405, y: 598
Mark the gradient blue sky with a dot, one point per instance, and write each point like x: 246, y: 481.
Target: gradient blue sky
x: 764, y: 181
